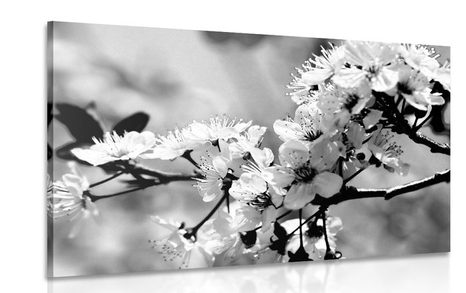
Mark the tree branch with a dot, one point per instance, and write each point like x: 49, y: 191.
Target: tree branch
x: 165, y: 177
x: 140, y: 182
x: 435, y: 147
x: 350, y: 193
x: 401, y: 126
x: 107, y: 179
x: 161, y: 177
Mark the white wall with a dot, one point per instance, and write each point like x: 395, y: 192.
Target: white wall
x: 22, y: 83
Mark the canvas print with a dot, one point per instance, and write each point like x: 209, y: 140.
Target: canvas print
x: 178, y: 149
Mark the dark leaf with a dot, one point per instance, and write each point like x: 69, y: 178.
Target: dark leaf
x: 136, y: 122
x: 143, y: 183
x: 64, y: 152
x: 333, y: 255
x: 281, y: 239
x: 437, y: 123
x: 299, y: 255
x: 314, y: 230
x: 81, y: 125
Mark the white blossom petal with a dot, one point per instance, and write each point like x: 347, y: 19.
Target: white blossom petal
x: 298, y: 196
x: 247, y: 218
x: 293, y: 154
x: 327, y: 184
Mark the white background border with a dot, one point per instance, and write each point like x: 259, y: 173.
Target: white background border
x: 22, y: 147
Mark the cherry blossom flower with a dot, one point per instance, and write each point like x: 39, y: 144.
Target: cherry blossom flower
x: 314, y: 73
x: 302, y: 92
x: 219, y: 127
x: 386, y: 152
x: 114, y: 147
x: 306, y: 125
x: 211, y: 186
x: 352, y: 138
x: 420, y: 58
x: 339, y: 106
x: 314, y: 237
x: 424, y: 60
x: 219, y: 234
x: 354, y: 100
x: 275, y: 176
x: 370, y: 63
x: 214, y: 166
x: 308, y: 172
x: 261, y: 203
x: 66, y: 200
x: 177, y: 248
x: 415, y: 88
x: 228, y: 226
x: 247, y: 142
x: 261, y: 251
x: 171, y: 146
x: 318, y: 70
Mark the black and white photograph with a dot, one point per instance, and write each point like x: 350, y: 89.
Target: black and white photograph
x: 177, y: 149
x: 232, y: 146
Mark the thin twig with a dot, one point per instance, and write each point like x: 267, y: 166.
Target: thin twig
x: 306, y: 221
x: 353, y: 175
x: 95, y: 198
x: 107, y: 179
x: 189, y: 158
x: 283, y: 215
x: 350, y: 193
x: 300, y: 227
x: 415, y: 122
x: 164, y: 177
x: 435, y: 147
x: 423, y: 122
x: 324, y: 227
x: 159, y: 178
x: 401, y: 126
x: 214, y: 209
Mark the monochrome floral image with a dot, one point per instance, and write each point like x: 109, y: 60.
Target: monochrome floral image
x: 176, y: 149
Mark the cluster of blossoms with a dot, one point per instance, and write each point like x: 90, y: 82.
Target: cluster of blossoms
x: 350, y: 99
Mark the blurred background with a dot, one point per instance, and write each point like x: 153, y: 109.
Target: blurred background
x: 176, y: 76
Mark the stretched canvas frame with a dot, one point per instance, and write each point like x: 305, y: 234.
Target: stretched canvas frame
x: 172, y: 149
